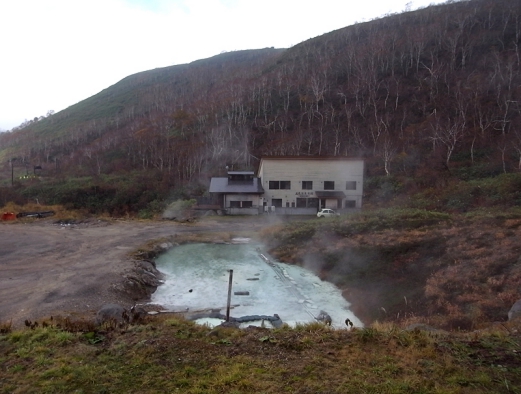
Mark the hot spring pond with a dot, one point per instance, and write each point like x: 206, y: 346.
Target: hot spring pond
x: 197, y: 278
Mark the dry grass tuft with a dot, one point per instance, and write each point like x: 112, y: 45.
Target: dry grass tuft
x: 60, y: 212
x: 6, y: 327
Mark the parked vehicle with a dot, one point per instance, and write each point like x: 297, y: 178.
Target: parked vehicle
x: 326, y: 212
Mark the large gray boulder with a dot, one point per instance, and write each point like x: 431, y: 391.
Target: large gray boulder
x: 137, y: 314
x: 324, y: 318
x: 515, y: 311
x: 141, y: 281
x: 277, y: 321
x: 112, y: 313
x: 116, y: 314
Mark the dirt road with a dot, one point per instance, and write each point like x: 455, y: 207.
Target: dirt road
x: 48, y: 268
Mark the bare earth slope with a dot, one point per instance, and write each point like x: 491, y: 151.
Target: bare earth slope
x: 47, y: 269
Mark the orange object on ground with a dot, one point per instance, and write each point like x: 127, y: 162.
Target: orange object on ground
x: 8, y: 216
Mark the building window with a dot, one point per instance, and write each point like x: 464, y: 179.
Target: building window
x: 276, y: 202
x: 307, y: 202
x: 276, y: 185
x: 329, y: 185
x: 350, y: 203
x: 307, y: 185
x: 312, y: 203
x: 247, y: 204
x: 351, y: 185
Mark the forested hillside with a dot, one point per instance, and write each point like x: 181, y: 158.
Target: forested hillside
x: 424, y: 96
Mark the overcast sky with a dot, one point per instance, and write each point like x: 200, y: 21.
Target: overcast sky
x: 56, y: 53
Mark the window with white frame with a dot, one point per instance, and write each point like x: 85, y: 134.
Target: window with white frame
x: 307, y: 202
x: 350, y: 185
x: 274, y: 185
x: 301, y: 202
x: 307, y: 185
x: 279, y: 185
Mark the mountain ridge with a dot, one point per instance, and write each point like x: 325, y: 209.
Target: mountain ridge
x: 426, y: 94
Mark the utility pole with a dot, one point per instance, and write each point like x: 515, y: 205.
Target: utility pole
x: 12, y: 170
x: 229, y: 296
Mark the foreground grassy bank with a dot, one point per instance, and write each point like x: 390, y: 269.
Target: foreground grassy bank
x: 462, y: 270
x: 169, y: 354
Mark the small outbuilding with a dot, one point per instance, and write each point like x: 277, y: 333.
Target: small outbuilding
x: 239, y: 193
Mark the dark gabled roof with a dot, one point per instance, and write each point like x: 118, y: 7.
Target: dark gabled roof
x: 330, y: 194
x: 316, y: 158
x: 241, y: 173
x: 222, y: 185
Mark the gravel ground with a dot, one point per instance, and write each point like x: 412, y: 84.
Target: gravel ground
x: 49, y: 268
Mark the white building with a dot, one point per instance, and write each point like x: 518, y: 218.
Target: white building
x: 293, y: 185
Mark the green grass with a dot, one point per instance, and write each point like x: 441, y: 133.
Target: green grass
x: 174, y: 355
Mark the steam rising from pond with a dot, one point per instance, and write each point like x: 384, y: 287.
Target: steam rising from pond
x: 197, y: 275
